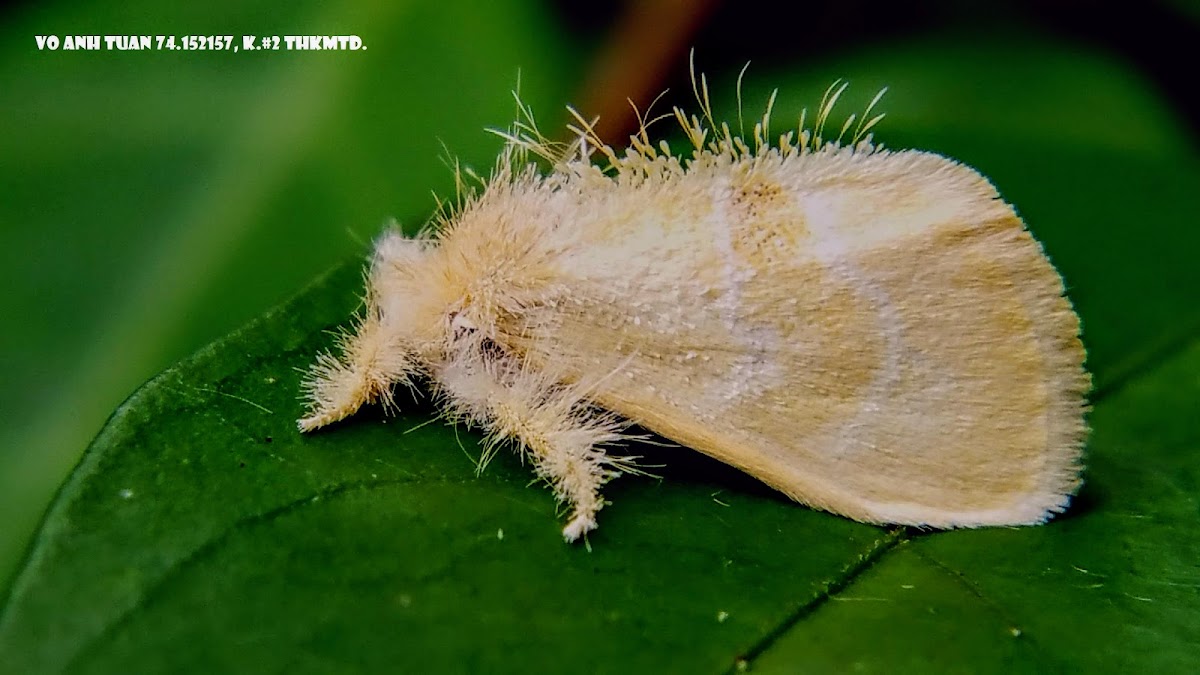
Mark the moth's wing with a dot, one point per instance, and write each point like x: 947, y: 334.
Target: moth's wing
x: 873, y: 334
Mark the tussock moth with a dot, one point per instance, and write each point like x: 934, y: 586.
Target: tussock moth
x: 873, y: 333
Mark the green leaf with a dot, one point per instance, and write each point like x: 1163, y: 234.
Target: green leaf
x: 202, y: 533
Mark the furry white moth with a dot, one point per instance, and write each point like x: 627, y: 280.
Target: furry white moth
x: 873, y: 333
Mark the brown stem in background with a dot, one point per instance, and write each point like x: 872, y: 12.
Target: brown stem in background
x: 649, y: 40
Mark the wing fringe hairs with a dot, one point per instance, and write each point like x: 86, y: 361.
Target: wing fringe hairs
x: 467, y: 319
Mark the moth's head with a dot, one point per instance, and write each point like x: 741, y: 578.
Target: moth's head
x: 401, y: 289
x: 421, y: 295
x: 395, y: 252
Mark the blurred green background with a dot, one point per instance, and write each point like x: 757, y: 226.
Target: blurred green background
x: 152, y: 201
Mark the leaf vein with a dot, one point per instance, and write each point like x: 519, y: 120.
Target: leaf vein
x: 849, y: 574
x: 213, y: 545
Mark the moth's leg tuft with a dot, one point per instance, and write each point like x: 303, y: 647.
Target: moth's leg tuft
x: 580, y: 524
x: 551, y: 423
x: 371, y: 362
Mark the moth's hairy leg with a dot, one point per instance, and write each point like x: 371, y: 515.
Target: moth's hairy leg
x: 370, y: 363
x: 550, y: 423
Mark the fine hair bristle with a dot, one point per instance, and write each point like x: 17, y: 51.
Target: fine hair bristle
x: 644, y: 154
